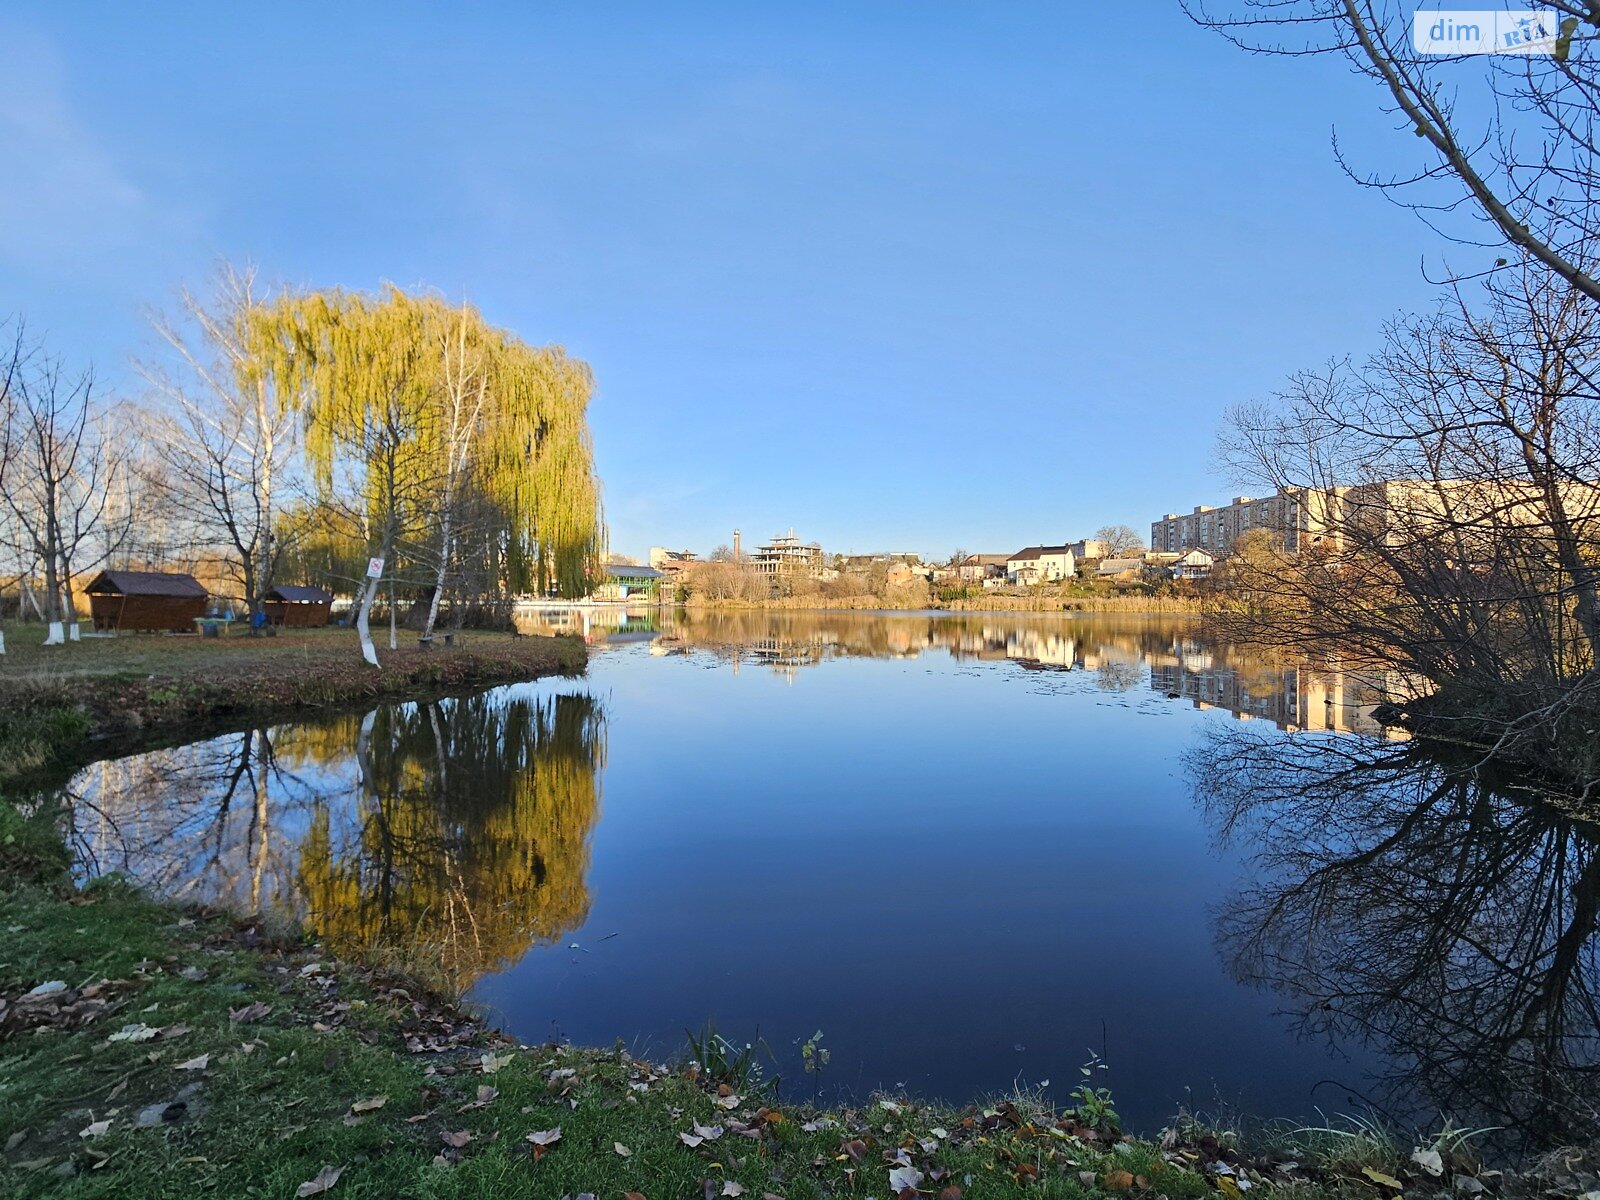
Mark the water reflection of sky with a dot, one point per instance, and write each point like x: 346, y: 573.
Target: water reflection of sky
x: 933, y: 857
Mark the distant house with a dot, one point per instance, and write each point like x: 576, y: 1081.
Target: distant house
x: 1041, y: 564
x: 1196, y: 564
x: 298, y: 607
x: 1113, y: 568
x: 623, y: 582
x: 1090, y: 548
x: 145, y: 600
x: 980, y: 568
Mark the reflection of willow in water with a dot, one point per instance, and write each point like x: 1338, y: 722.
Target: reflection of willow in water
x: 458, y: 828
x: 1445, y: 917
x: 474, y: 834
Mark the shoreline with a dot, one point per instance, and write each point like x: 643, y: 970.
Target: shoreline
x: 141, y: 692
x: 1124, y: 605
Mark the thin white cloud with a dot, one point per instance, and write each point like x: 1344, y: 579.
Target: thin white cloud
x: 65, y: 200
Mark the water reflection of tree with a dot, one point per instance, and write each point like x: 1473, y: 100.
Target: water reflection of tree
x: 197, y: 822
x: 460, y: 828
x: 474, y: 829
x: 1446, y: 917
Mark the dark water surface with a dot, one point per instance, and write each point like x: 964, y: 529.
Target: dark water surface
x: 970, y: 850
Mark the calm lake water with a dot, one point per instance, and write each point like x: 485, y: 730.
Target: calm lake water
x: 970, y: 849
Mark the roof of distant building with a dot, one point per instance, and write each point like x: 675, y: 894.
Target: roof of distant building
x: 1039, y: 552
x: 620, y: 571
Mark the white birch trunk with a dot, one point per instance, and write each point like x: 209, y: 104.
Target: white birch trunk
x: 363, y: 629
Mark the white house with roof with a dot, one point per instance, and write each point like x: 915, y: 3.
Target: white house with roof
x: 1041, y: 564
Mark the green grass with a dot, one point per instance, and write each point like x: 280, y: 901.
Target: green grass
x: 273, y: 1104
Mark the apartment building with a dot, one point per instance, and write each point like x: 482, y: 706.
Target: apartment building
x: 1302, y: 516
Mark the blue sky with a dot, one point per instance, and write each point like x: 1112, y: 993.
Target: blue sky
x: 898, y: 275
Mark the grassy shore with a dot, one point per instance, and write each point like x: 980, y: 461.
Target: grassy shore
x: 146, y: 1051
x: 55, y: 700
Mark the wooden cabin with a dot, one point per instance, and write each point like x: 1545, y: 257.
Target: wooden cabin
x: 122, y: 600
x: 298, y: 607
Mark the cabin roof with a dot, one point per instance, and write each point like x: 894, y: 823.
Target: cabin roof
x: 295, y: 594
x: 148, y: 583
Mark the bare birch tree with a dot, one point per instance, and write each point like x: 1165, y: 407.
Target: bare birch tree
x: 228, y: 435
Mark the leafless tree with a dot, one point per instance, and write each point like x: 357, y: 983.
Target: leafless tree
x: 1447, y: 503
x: 63, y: 465
x: 1510, y: 138
x: 1120, y: 540
x: 227, y: 440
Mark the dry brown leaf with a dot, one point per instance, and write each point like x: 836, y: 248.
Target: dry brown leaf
x: 370, y: 1104
x: 457, y: 1139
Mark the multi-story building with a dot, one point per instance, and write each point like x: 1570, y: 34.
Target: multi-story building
x: 786, y: 554
x: 1301, y: 516
x: 1214, y: 530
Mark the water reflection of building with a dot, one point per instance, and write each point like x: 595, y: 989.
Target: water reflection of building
x: 1294, y: 698
x: 591, y: 622
x: 790, y: 641
x: 1119, y: 653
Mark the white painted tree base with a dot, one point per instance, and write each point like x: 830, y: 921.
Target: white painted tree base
x: 72, y: 631
x: 56, y: 636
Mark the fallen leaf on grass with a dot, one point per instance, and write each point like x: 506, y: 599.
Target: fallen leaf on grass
x: 324, y: 1180
x: 542, y: 1140
x: 1378, y: 1177
x: 1119, y: 1181
x: 690, y: 1140
x: 633, y: 1196
x: 133, y: 1033
x: 621, y: 1150
x: 732, y: 1189
x: 458, y: 1139
x: 950, y: 1193
x: 904, y: 1179
x: 370, y: 1104
x: 493, y: 1062
x: 193, y: 974
x: 1430, y: 1161
x: 94, y: 1129
x: 249, y: 1013
x: 729, y: 1102
x: 195, y: 1064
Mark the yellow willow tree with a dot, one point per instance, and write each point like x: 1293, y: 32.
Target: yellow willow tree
x: 420, y: 406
